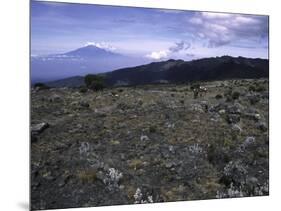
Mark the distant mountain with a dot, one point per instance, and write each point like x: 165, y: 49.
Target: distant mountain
x: 88, y: 59
x: 179, y: 71
x: 92, y: 51
x: 75, y: 81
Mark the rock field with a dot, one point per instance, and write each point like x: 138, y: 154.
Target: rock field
x: 146, y: 144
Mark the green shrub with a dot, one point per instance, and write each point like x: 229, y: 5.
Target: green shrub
x: 228, y: 92
x: 217, y: 155
x: 94, y: 82
x: 152, y: 129
x: 97, y: 85
x: 252, y: 88
x: 195, y: 86
x: 257, y: 88
x: 83, y: 89
x: 260, y: 88
x: 235, y: 95
x: 218, y: 96
x: 228, y: 98
x: 254, y: 100
x: 41, y: 86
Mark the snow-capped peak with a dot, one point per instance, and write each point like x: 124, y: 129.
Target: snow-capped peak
x: 102, y: 45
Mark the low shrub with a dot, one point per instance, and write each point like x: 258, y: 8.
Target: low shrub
x: 218, y: 96
x: 94, y: 82
x: 152, y: 129
x: 41, y: 86
x: 83, y: 89
x: 235, y: 95
x: 257, y: 88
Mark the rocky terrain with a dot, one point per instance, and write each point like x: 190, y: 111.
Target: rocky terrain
x: 150, y: 143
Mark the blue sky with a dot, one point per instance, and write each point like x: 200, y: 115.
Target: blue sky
x: 157, y: 34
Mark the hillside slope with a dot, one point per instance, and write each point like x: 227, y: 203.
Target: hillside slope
x: 179, y: 71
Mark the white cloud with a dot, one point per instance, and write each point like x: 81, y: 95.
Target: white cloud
x: 174, y: 50
x: 103, y: 45
x: 196, y: 20
x: 219, y: 29
x: 157, y: 55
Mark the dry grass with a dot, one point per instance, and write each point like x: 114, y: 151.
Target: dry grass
x: 87, y: 176
x: 135, y: 164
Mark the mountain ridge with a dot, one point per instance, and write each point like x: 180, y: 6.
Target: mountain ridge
x: 180, y: 71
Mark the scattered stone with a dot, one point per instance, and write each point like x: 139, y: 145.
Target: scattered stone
x: 100, y: 113
x: 84, y: 104
x: 170, y: 125
x: 112, y: 178
x: 39, y: 128
x: 235, y: 109
x: 195, y: 148
x: 262, y: 126
x: 254, y: 99
x: 236, y: 128
x: 249, y: 140
x: 62, y: 182
x: 123, y: 106
x: 100, y: 175
x: 55, y: 98
x: 252, y: 116
x: 48, y: 176
x: 204, y: 105
x: 140, y: 198
x: 144, y: 138
x: 222, y: 111
x: 235, y: 171
x: 233, y: 118
x: 197, y: 108
x: 84, y: 148
x: 169, y: 165
x: 123, y: 157
x: 215, y: 117
x: 218, y: 107
x: 36, y: 184
x: 252, y: 182
x: 172, y: 149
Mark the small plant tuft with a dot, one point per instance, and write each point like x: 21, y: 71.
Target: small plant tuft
x: 218, y: 96
x: 235, y: 95
x: 87, y: 176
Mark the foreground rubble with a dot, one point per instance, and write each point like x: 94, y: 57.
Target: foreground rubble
x: 148, y: 144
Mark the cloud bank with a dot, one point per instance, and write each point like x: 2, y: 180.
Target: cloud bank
x: 181, y: 46
x: 220, y: 29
